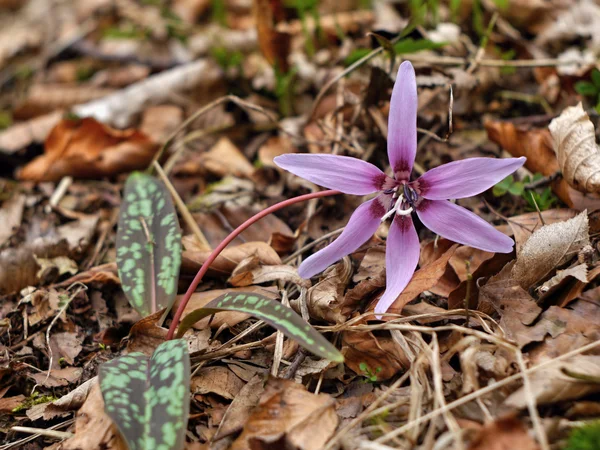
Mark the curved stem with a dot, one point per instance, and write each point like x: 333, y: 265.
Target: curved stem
x: 215, y: 253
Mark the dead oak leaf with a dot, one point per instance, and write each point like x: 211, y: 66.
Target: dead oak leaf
x: 553, y: 385
x: 217, y: 380
x: 576, y: 149
x: 87, y: 148
x: 423, y: 279
x: 503, y: 434
x: 379, y: 353
x: 288, y: 416
x: 524, y: 225
x: 549, y: 247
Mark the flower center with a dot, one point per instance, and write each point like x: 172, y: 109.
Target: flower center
x: 404, y: 199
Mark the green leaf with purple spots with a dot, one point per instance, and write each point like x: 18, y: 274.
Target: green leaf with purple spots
x: 148, y: 245
x: 274, y: 313
x: 149, y: 398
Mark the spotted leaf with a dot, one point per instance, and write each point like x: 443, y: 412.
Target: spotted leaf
x: 148, y: 245
x: 274, y: 313
x: 149, y: 398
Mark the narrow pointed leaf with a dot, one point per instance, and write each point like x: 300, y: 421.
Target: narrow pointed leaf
x: 149, y: 398
x: 148, y: 245
x: 274, y: 313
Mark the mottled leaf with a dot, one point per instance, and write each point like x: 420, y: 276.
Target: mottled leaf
x: 274, y: 313
x: 148, y: 245
x: 149, y: 398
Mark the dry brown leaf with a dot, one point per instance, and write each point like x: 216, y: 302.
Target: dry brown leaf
x: 7, y: 404
x: 224, y: 158
x: 490, y: 267
x: 552, y: 385
x: 549, y: 247
x: 506, y: 433
x: 102, y: 274
x: 229, y: 258
x: 229, y: 318
x: 467, y: 260
x: 64, y: 405
x: 325, y: 299
x: 93, y: 428
x: 524, y: 225
x: 288, y: 416
x: 517, y: 308
x: 579, y: 272
x: 159, y: 122
x: 217, y: 380
x: 45, y: 98
x: 58, y: 377
x: 146, y: 335
x: 241, y: 407
x: 423, y: 279
x: 380, y: 353
x: 11, y: 215
x: 22, y: 134
x: 536, y: 145
x: 264, y: 274
x: 274, y: 45
x: 275, y: 146
x: 89, y: 149
x: 576, y: 149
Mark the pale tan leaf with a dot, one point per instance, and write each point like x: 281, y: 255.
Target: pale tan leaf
x: 552, y: 385
x: 549, y: 247
x: 576, y: 149
x: 524, y: 225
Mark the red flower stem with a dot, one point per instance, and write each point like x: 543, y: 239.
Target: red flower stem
x: 215, y: 253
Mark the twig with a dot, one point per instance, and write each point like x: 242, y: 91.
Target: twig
x: 81, y: 287
x: 44, y: 432
x: 20, y: 442
x: 478, y: 393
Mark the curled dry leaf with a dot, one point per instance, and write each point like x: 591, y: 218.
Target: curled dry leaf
x: 325, y: 299
x: 524, y: 225
x: 553, y: 385
x: 536, y: 145
x: 250, y: 272
x: 87, y: 148
x: 288, y: 416
x: 576, y: 149
x: 93, y: 428
x: 229, y: 259
x: 549, y: 247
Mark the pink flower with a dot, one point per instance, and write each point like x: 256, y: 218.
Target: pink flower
x: 399, y: 197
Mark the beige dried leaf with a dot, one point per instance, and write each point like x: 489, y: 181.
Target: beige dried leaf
x: 576, y: 149
x: 552, y: 385
x: 549, y: 247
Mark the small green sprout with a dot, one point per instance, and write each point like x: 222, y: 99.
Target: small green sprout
x: 370, y: 376
x: 591, y: 88
x: 544, y: 200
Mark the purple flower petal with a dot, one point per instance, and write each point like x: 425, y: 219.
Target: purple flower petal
x: 465, y: 178
x: 361, y: 226
x: 461, y: 225
x: 402, y: 122
x: 401, y: 259
x: 343, y: 173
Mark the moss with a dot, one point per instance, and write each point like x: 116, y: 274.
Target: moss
x: 34, y: 399
x: 585, y: 438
